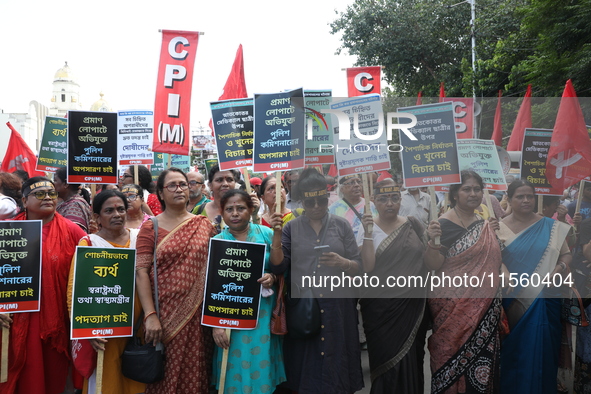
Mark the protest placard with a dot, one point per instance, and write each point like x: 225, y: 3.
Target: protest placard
x: 232, y: 293
x: 279, y: 127
x: 134, y: 137
x: 103, y: 292
x: 431, y: 159
x: 233, y: 125
x: 20, y: 270
x: 92, y: 147
x: 356, y: 155
x: 53, y: 152
x: 481, y: 157
x: 536, y: 144
x: 315, y: 102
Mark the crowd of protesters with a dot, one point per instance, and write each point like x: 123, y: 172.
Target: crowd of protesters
x: 483, y: 339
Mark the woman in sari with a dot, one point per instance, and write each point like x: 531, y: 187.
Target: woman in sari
x: 533, y: 244
x: 465, y: 344
x: 329, y: 361
x: 39, y: 351
x: 183, y: 240
x: 255, y: 362
x: 393, y: 318
x: 109, y: 208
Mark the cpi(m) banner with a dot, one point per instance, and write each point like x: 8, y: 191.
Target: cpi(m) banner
x: 173, y: 92
x: 364, y: 80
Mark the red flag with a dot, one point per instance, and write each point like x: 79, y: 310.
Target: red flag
x: 569, y: 158
x: 332, y: 171
x: 364, y: 80
x: 441, y: 92
x: 420, y: 98
x: 19, y: 156
x: 522, y: 122
x: 235, y: 86
x: 497, y: 135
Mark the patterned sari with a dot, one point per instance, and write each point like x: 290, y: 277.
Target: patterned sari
x: 529, y: 359
x: 181, y: 264
x: 465, y: 345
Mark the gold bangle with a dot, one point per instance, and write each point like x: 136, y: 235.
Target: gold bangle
x: 278, y: 247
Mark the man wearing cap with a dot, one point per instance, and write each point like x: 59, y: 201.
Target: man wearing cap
x: 196, y: 188
x: 352, y: 205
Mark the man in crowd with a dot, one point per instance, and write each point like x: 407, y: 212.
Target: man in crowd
x: 73, y: 206
x: 290, y: 179
x: 196, y: 190
x: 415, y: 203
x: 352, y: 205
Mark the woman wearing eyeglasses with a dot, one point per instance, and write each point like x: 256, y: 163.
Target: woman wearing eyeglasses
x: 465, y: 344
x: 152, y: 205
x: 329, y: 359
x: 39, y: 350
x: 394, y: 318
x: 183, y: 240
x: 135, y: 199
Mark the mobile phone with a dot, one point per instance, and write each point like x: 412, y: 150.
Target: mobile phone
x: 321, y: 249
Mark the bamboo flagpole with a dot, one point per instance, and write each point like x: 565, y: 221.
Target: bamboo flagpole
x: 278, y: 192
x: 4, y: 361
x: 100, y: 358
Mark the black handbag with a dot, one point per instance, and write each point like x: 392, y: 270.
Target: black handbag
x: 144, y: 362
x: 573, y: 310
x: 302, y: 309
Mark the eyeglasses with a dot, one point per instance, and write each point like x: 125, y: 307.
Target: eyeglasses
x: 352, y: 183
x: 40, y: 195
x: 132, y: 197
x: 127, y: 176
x: 310, y: 203
x: 172, y: 187
x: 385, y: 199
x: 193, y: 183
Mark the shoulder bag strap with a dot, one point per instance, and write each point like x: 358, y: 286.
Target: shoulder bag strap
x: 156, y: 303
x: 355, y: 211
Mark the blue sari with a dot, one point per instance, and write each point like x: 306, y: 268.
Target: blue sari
x: 529, y: 354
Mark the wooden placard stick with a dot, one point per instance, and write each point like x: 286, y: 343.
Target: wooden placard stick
x: 246, y: 176
x: 367, y: 195
x: 224, y: 365
x: 100, y: 358
x: 540, y: 203
x: 489, y: 203
x: 4, y: 361
x: 169, y: 160
x: 92, y: 191
x: 136, y: 173
x: 278, y: 192
x: 433, y: 211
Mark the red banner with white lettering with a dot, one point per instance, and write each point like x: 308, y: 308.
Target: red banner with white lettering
x: 463, y: 115
x: 364, y: 80
x: 173, y: 92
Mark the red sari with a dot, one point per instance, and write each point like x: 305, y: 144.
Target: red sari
x: 39, y: 353
x: 181, y: 265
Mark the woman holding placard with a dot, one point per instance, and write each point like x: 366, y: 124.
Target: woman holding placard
x: 267, y: 193
x: 536, y: 252
x: 255, y: 361
x: 109, y: 212
x: 39, y: 350
x: 465, y: 344
x: 181, y: 253
x: 326, y: 356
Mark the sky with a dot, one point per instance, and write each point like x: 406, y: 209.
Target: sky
x: 113, y: 47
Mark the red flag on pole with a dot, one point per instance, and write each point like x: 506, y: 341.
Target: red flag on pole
x: 364, y: 80
x: 332, y: 171
x: 235, y: 86
x: 522, y: 122
x: 441, y: 92
x: 497, y: 135
x: 420, y: 98
x: 569, y: 158
x: 19, y: 156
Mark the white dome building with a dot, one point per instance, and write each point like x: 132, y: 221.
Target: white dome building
x: 66, y: 92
